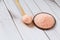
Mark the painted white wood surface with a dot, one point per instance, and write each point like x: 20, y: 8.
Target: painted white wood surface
x: 31, y: 7
x: 53, y: 34
x: 7, y: 28
x: 58, y: 2
x: 55, y: 9
x: 26, y: 32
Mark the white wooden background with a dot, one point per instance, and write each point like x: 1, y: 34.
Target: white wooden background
x: 12, y: 27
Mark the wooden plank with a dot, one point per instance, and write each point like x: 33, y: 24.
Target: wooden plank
x: 55, y: 9
x: 58, y: 2
x: 26, y: 32
x: 53, y: 35
x: 8, y: 30
x: 35, y: 11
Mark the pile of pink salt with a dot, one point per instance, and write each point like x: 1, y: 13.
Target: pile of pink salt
x: 44, y: 21
x: 27, y: 19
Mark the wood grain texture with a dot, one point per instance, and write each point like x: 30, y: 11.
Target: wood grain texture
x: 7, y: 27
x: 53, y: 35
x: 26, y: 32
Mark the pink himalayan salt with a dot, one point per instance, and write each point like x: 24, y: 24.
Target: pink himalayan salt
x: 44, y: 21
x: 27, y: 19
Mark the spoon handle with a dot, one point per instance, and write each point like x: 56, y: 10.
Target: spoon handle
x: 20, y: 7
